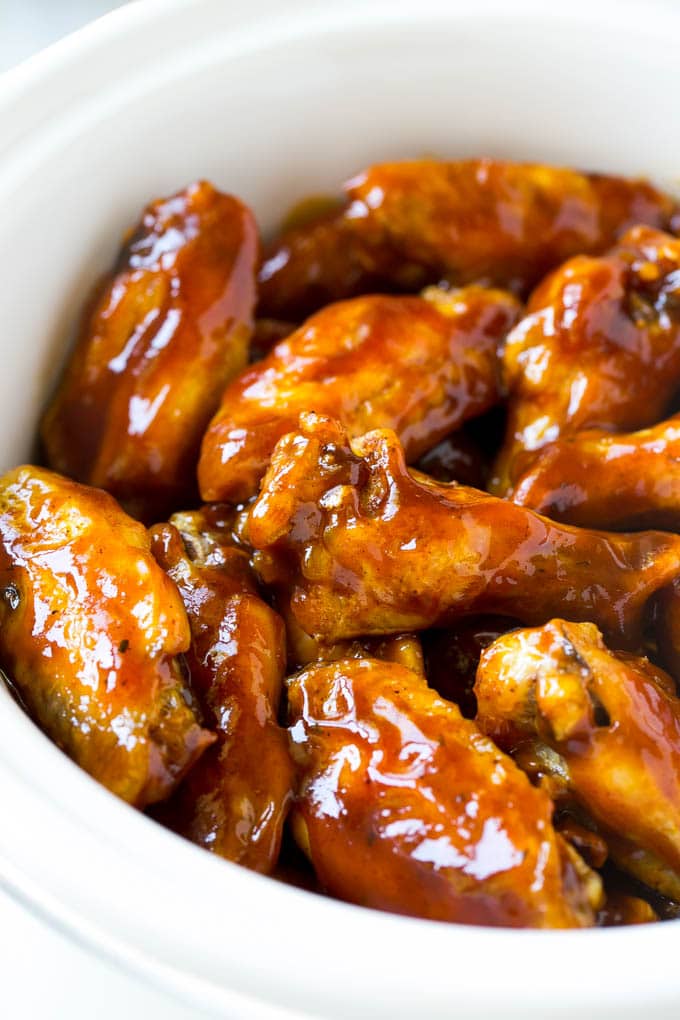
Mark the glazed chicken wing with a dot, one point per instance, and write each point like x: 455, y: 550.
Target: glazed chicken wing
x: 369, y: 548
x: 90, y: 633
x: 156, y: 348
x: 235, y: 800
x: 599, y: 348
x: 403, y: 805
x: 411, y: 223
x: 609, y: 727
x: 421, y: 366
x: 599, y: 480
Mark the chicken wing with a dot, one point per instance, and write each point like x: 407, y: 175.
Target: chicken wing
x: 369, y: 548
x: 411, y: 223
x: 156, y: 348
x: 419, y: 365
x: 598, y: 348
x: 596, y: 479
x: 235, y: 800
x: 403, y: 805
x: 90, y: 634
x: 610, y: 726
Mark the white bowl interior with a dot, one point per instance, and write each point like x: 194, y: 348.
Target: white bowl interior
x: 274, y: 102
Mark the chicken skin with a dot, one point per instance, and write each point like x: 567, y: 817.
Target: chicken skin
x: 610, y: 729
x: 403, y: 805
x: 90, y: 633
x: 157, y: 346
x: 598, y: 348
x: 408, y: 224
x: 421, y: 366
x: 596, y: 479
x: 235, y: 800
x: 367, y: 547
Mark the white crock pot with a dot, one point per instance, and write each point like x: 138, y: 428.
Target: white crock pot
x: 274, y: 99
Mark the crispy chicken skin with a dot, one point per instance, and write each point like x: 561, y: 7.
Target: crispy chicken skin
x: 369, y: 548
x: 403, y: 805
x: 598, y: 348
x: 421, y: 366
x: 610, y: 729
x: 407, y: 224
x: 90, y: 631
x: 235, y: 800
x: 157, y: 346
x: 596, y: 479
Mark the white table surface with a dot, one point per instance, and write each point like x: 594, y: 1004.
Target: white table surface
x: 43, y: 975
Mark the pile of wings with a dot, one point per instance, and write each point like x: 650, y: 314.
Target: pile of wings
x: 413, y: 614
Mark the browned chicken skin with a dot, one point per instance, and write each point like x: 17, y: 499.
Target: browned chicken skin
x: 369, y: 548
x: 407, y: 224
x: 235, y: 800
x: 596, y: 479
x: 156, y: 348
x: 421, y: 366
x: 90, y: 631
x: 610, y: 729
x: 403, y: 805
x: 599, y: 348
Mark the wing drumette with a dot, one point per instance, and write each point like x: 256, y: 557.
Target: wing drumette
x: 598, y: 348
x: 597, y: 479
x: 369, y: 548
x: 421, y: 366
x: 605, y: 728
x: 235, y: 800
x: 403, y: 805
x: 408, y: 224
x: 90, y: 631
x: 157, y: 346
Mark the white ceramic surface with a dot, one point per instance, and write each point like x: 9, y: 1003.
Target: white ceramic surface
x: 273, y: 102
x: 26, y: 26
